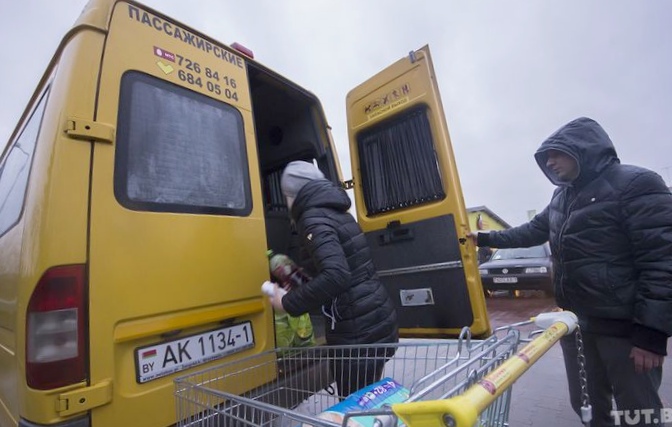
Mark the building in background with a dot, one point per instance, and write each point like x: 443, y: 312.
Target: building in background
x: 482, y: 218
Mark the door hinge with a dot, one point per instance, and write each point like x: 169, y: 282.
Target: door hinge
x: 77, y: 128
x: 349, y: 184
x: 83, y: 399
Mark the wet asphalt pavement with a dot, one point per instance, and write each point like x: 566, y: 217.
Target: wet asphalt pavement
x: 504, y: 309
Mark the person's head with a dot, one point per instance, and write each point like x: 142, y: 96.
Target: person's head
x: 295, y: 176
x: 576, y: 153
x: 564, y: 166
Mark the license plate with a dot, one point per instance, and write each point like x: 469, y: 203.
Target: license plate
x: 163, y: 359
x: 505, y: 280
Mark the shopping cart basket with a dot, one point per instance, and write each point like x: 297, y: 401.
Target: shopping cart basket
x: 457, y: 382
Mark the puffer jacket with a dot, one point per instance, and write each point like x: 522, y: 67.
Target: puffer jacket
x: 346, y: 286
x: 610, y: 232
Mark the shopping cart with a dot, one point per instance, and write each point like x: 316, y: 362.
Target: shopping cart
x: 453, y: 383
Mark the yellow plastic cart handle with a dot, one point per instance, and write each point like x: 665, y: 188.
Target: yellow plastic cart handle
x: 463, y: 410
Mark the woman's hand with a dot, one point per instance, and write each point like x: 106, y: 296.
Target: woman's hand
x: 276, y: 298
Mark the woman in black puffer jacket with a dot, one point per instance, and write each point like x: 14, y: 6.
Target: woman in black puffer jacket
x: 345, y: 286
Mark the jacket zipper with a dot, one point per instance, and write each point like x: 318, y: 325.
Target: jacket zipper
x: 560, y: 239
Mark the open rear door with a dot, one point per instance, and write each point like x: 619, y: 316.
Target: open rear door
x: 409, y: 200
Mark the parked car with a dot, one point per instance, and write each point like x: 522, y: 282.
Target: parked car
x: 513, y: 269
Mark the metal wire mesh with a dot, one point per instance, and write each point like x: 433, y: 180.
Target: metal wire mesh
x: 290, y: 387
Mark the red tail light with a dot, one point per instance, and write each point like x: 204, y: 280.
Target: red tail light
x: 55, y: 333
x: 242, y: 49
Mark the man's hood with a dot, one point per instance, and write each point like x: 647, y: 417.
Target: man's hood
x: 584, y: 140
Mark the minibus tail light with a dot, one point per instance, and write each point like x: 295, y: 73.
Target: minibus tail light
x: 55, y: 332
x: 242, y: 49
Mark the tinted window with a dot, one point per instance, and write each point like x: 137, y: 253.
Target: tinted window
x: 179, y: 151
x: 15, y: 168
x: 399, y: 166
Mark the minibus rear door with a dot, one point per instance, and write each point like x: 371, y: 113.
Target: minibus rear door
x: 409, y: 200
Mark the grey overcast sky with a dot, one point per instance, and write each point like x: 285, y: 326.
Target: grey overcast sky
x: 509, y: 72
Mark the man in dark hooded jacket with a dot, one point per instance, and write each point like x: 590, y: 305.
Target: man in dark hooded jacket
x: 345, y: 285
x: 610, y: 230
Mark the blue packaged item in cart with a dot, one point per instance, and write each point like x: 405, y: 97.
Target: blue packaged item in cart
x: 384, y: 392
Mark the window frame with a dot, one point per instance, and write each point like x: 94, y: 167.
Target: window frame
x: 390, y: 192
x: 41, y: 103
x: 122, y: 149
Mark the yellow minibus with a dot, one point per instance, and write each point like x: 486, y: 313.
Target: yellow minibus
x: 139, y: 193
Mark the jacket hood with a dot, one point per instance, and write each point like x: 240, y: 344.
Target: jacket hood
x: 584, y: 140
x: 297, y: 174
x: 320, y: 194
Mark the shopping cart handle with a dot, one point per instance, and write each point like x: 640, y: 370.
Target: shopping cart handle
x: 463, y: 410
x: 545, y: 320
x: 455, y: 412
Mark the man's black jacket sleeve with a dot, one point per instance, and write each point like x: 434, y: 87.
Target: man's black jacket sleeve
x: 532, y: 233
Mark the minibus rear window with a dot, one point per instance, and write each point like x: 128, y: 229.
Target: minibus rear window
x: 179, y: 151
x: 399, y: 165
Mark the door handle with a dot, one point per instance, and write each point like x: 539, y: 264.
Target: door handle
x: 395, y: 233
